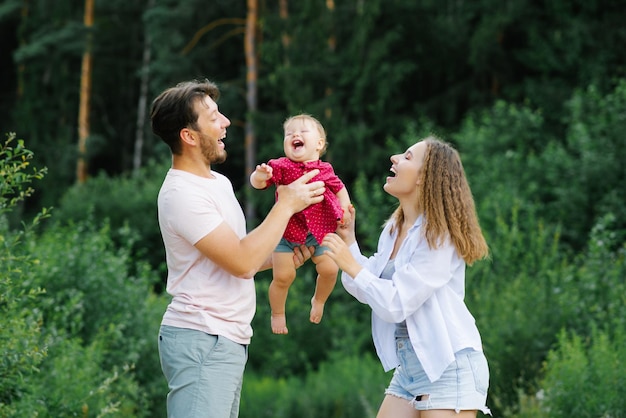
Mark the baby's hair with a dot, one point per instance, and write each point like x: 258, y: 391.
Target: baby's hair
x: 304, y: 117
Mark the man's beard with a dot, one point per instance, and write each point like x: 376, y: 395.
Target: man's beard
x: 211, y: 152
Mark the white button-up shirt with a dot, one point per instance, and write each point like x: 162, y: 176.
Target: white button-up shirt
x: 426, y: 290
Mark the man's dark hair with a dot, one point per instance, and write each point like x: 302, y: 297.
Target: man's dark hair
x: 174, y: 110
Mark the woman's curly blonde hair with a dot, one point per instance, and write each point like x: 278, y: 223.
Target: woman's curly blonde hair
x: 447, y: 204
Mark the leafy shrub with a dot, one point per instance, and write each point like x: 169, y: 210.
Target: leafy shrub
x: 573, y: 180
x: 522, y: 305
x: 584, y: 376
x: 127, y: 201
x: 79, y: 321
x: 74, y: 382
x: 350, y: 387
x: 588, y: 174
x: 96, y: 289
x: 21, y: 344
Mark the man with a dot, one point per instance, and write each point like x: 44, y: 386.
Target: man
x: 211, y: 261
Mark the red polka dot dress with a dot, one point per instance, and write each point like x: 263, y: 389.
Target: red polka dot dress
x: 318, y: 219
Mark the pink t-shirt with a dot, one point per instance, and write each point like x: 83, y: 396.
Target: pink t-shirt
x: 205, y: 297
x: 319, y: 219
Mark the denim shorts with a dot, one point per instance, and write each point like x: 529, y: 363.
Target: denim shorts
x: 204, y: 373
x: 285, y: 246
x: 462, y: 386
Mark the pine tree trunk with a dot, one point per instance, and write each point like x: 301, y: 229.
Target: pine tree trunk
x: 332, y: 44
x: 251, y: 99
x: 143, y: 98
x: 85, y: 98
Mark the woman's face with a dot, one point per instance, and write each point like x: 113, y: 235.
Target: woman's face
x: 406, y: 171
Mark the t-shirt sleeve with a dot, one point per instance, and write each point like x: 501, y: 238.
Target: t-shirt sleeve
x: 192, y: 216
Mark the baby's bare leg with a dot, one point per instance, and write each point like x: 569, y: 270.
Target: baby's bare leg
x: 326, y: 278
x: 284, y: 272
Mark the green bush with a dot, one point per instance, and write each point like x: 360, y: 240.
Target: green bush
x: 22, y: 347
x: 350, y: 387
x: 96, y: 288
x: 571, y: 180
x: 80, y: 321
x: 74, y: 382
x: 584, y: 377
x: 520, y: 314
x: 127, y: 201
x: 501, y: 151
x: 587, y: 176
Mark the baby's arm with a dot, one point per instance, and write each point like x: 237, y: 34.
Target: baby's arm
x: 260, y: 176
x: 344, y: 200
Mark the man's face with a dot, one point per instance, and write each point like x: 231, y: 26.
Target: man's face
x: 211, y: 130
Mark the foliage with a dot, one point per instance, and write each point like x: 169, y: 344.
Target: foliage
x: 501, y: 150
x: 587, y: 172
x: 517, y: 301
x: 349, y: 387
x: 14, y: 178
x: 344, y: 330
x: 586, y: 376
x: 531, y: 93
x: 522, y: 306
x: 510, y: 156
x: 73, y: 382
x: 126, y: 201
x: 100, y: 296
x: 366, y: 70
x: 75, y: 320
x: 20, y: 340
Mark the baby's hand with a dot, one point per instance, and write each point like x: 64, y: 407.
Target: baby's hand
x: 264, y: 172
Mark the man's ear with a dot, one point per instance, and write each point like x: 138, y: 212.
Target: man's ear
x: 187, y: 137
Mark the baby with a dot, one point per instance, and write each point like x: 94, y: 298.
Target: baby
x: 304, y: 144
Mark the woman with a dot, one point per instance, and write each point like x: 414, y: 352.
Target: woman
x: 415, y: 285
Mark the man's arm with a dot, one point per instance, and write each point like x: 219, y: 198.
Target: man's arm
x: 244, y: 257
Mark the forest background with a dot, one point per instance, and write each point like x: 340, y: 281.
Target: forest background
x: 532, y: 94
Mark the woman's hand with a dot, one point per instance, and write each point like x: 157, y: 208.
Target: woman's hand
x: 346, y: 229
x: 339, y: 252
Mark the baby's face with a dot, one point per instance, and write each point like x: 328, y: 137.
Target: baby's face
x: 303, y: 141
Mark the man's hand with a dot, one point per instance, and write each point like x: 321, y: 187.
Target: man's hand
x: 300, y: 194
x: 301, y: 254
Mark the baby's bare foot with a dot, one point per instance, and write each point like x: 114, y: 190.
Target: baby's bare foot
x: 279, y: 324
x: 317, y: 311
